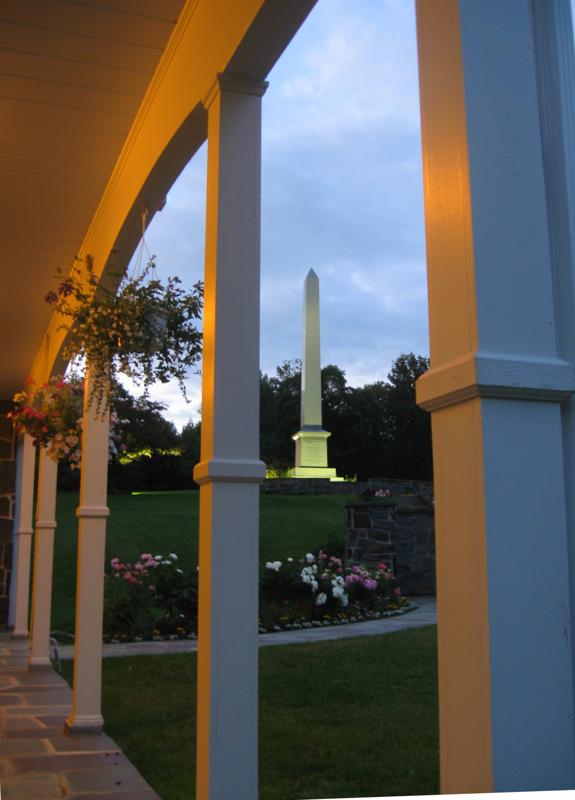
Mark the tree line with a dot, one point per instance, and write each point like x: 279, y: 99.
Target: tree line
x: 377, y: 430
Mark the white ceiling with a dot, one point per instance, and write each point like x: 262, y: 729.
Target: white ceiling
x: 72, y: 76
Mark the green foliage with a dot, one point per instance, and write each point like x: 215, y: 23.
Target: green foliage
x: 142, y: 328
x: 149, y: 596
x: 376, y: 430
x: 168, y: 522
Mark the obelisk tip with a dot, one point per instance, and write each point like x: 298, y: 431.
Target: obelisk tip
x: 311, y: 274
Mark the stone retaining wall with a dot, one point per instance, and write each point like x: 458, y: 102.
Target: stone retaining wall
x: 7, y: 488
x: 311, y: 486
x: 403, y: 537
x: 325, y: 486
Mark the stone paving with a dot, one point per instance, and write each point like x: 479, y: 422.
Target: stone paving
x: 424, y: 615
x: 37, y: 760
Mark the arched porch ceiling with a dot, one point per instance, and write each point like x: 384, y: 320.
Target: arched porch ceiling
x: 101, y: 108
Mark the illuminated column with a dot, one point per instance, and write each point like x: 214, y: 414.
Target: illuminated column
x: 86, y: 714
x: 23, y: 533
x: 500, y: 293
x: 230, y: 469
x: 43, y: 559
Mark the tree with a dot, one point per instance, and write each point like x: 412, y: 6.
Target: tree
x: 410, y: 426
x: 376, y: 430
x: 145, y: 427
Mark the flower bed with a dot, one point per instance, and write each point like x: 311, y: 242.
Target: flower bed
x: 322, y: 590
x: 151, y: 597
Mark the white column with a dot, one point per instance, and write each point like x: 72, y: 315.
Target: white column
x: 23, y: 537
x: 230, y: 469
x: 495, y: 390
x: 43, y: 561
x: 86, y: 714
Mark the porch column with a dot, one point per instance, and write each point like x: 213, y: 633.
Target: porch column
x: 86, y: 714
x: 43, y: 559
x: 23, y: 534
x: 498, y: 380
x: 230, y: 469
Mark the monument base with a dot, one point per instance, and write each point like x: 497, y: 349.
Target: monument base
x: 313, y: 472
x: 311, y: 454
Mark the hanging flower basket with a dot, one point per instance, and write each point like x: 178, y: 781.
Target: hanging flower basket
x: 52, y: 416
x: 146, y: 330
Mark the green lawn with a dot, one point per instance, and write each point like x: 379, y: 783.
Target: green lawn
x: 337, y: 719
x: 167, y: 522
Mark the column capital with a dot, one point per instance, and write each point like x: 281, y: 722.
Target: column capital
x: 24, y: 532
x: 509, y: 376
x: 234, y: 83
x: 227, y: 470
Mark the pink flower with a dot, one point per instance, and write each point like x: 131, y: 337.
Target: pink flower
x: 382, y: 566
x: 146, y: 556
x: 352, y: 579
x: 115, y: 563
x: 151, y: 562
x: 127, y: 576
x: 370, y: 584
x: 138, y: 566
x: 397, y: 590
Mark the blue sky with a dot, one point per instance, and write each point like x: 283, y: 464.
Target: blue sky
x: 341, y: 192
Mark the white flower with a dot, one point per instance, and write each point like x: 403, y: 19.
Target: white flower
x: 275, y: 565
x: 179, y: 571
x: 321, y: 599
x: 158, y: 558
x: 314, y: 585
x: 344, y: 600
x: 173, y: 556
x: 165, y: 562
x: 310, y: 558
x: 337, y: 591
x: 290, y: 559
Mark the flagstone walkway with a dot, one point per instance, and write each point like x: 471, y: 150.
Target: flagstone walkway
x: 39, y: 762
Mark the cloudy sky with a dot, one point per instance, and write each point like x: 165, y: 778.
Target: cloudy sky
x: 341, y: 192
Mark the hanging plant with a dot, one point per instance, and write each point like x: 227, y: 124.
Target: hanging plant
x: 52, y: 416
x: 146, y: 330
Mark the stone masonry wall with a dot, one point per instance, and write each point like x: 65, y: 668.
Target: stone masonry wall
x: 311, y: 486
x: 7, y: 488
x: 403, y: 536
x: 325, y: 486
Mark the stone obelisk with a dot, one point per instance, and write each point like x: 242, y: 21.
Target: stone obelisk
x: 311, y: 440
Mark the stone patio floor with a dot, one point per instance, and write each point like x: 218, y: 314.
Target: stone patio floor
x: 37, y: 760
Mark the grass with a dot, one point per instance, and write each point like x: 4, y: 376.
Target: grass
x: 167, y: 522
x: 349, y: 718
